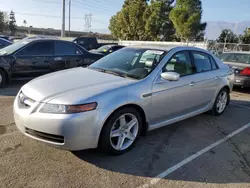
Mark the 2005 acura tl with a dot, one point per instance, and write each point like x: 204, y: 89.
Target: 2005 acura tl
x: 113, y: 101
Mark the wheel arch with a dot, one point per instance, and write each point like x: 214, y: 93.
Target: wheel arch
x: 130, y: 105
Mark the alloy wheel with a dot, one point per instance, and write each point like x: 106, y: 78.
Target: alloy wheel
x: 1, y: 78
x: 221, y: 102
x: 124, y: 131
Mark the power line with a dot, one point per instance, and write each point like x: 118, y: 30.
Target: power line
x: 55, y: 16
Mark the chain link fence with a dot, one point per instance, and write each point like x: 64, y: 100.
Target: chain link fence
x: 218, y: 48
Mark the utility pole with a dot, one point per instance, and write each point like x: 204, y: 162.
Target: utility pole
x: 69, y: 15
x: 63, y: 19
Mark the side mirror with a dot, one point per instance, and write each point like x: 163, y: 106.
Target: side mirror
x: 170, y: 76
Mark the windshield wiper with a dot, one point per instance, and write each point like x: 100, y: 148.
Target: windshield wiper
x: 97, y: 69
x: 133, y: 76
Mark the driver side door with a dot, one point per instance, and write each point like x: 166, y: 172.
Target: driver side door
x: 173, y: 99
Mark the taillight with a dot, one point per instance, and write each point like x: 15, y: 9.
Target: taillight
x: 245, y: 71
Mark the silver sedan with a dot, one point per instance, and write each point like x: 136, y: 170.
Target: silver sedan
x: 122, y: 96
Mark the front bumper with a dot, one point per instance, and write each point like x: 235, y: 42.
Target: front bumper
x: 65, y: 131
x: 242, y: 81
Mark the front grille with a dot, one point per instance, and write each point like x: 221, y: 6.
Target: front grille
x: 45, y: 136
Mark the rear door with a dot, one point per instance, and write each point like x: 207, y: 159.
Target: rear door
x: 34, y: 59
x: 207, y: 79
x: 66, y: 56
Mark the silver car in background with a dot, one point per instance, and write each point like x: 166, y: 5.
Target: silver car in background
x: 240, y: 63
x: 122, y: 96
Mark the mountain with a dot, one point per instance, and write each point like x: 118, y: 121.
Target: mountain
x: 214, y: 29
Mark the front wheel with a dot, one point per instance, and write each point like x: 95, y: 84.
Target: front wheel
x: 121, y: 131
x: 221, y: 102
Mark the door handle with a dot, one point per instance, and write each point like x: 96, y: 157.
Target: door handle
x: 57, y: 58
x: 216, y: 78
x: 192, y: 84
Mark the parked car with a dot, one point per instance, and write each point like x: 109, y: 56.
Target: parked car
x: 89, y: 43
x: 31, y: 58
x: 4, y: 43
x: 107, y: 49
x: 240, y: 63
x: 5, y: 37
x: 121, y: 96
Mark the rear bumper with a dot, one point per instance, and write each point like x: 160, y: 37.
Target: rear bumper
x: 243, y: 81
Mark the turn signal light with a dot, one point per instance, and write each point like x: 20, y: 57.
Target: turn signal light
x: 245, y: 72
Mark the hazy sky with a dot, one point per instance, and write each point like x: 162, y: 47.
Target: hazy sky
x: 47, y: 13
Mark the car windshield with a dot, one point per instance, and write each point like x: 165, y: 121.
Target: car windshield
x: 12, y: 48
x: 104, y: 48
x: 130, y: 62
x: 235, y: 57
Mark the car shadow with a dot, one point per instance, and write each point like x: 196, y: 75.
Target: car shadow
x: 242, y: 90
x: 167, y: 146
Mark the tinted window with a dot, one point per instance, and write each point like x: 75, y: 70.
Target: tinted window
x: 180, y: 63
x: 202, y: 62
x: 38, y: 48
x: 65, y: 48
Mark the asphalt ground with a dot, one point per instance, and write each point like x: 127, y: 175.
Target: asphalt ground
x: 184, y: 154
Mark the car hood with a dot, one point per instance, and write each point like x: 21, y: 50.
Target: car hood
x: 72, y: 86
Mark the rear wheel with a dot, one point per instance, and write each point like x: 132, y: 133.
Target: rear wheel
x: 2, y: 78
x: 121, y: 131
x: 221, y: 102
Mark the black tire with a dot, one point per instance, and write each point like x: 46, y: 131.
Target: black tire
x: 2, y: 79
x: 104, y: 141
x: 215, y: 110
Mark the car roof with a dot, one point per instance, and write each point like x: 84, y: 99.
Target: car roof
x: 168, y: 48
x: 45, y: 39
x: 5, y: 40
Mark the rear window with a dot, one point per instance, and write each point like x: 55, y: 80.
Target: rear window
x: 234, y: 57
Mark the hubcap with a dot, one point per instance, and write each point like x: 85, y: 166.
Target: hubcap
x: 124, y: 131
x: 1, y: 78
x: 222, y: 102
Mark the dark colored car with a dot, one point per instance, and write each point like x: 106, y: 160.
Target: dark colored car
x: 107, y: 49
x: 89, y: 43
x: 240, y: 63
x: 4, y: 43
x: 5, y: 37
x: 31, y: 58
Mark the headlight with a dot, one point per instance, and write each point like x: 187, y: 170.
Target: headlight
x: 67, y: 109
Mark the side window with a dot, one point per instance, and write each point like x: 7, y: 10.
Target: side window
x: 65, y: 48
x: 180, y: 63
x: 201, y: 61
x: 41, y: 48
x: 214, y: 64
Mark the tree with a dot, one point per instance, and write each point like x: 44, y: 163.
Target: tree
x: 2, y: 24
x: 227, y: 36
x: 25, y: 22
x: 12, y: 23
x: 186, y: 17
x: 245, y: 38
x: 158, y: 26
x: 128, y: 24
